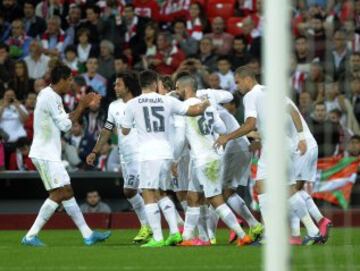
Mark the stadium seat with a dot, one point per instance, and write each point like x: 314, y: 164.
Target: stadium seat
x: 222, y: 8
x: 234, y: 26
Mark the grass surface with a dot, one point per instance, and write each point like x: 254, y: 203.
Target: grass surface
x: 65, y: 252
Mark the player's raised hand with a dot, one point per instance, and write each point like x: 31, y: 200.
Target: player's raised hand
x: 90, y: 159
x: 91, y: 98
x: 302, y: 147
x: 221, y: 141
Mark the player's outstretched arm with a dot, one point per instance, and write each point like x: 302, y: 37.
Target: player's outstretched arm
x: 197, y: 109
x: 295, y: 116
x: 247, y: 127
x: 104, y: 136
x: 85, y: 102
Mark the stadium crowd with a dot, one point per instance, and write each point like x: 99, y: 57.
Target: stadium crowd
x: 97, y: 39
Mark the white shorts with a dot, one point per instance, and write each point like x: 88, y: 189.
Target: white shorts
x: 236, y: 169
x: 181, y: 183
x: 155, y: 174
x: 53, y: 174
x: 305, y: 166
x: 262, y: 173
x: 131, y: 174
x: 206, y: 179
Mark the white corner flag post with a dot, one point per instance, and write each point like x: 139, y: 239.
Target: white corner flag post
x: 276, y: 59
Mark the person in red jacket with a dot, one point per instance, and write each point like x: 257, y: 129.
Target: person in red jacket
x: 147, y: 8
x: 19, y: 159
x: 168, y: 56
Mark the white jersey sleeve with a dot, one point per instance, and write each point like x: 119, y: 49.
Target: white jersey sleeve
x: 128, y: 116
x: 177, y: 107
x: 216, y: 96
x: 58, y: 114
x: 250, y: 105
x: 179, y: 136
x: 219, y: 125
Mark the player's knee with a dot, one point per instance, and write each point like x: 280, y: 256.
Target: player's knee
x: 192, y: 200
x: 227, y: 193
x: 129, y: 193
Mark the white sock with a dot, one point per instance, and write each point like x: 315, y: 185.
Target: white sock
x: 204, y: 214
x: 153, y: 215
x: 239, y: 206
x: 179, y: 219
x: 137, y: 203
x: 298, y: 206
x: 46, y: 211
x: 212, y: 222
x: 73, y: 210
x: 294, y: 225
x: 168, y: 209
x: 228, y: 217
x: 262, y: 204
x: 184, y: 205
x: 191, y: 221
x: 311, y: 206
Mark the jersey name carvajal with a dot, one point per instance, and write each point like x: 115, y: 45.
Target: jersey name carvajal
x: 128, y: 145
x: 151, y: 113
x: 50, y: 119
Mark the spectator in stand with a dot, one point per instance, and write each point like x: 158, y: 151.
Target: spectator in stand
x: 106, y: 59
x: 78, y: 90
x: 39, y: 84
x: 37, y: 63
x: 194, y: 67
x: 35, y: 26
x: 345, y: 133
x: 70, y: 157
x: 19, y: 159
x: 84, y: 48
x: 227, y: 80
x: 317, y: 37
x: 121, y: 64
x: 7, y: 66
x: 182, y: 40
x: 353, y: 147
x: 54, y: 37
x: 305, y: 105
x: 314, y: 82
x: 352, y: 71
x: 5, y: 28
x: 93, y: 78
x: 73, y: 21
x: 30, y: 106
x: 18, y: 42
x: 206, y: 54
x: 214, y: 81
x: 2, y: 149
x: 171, y: 10
x: 49, y: 8
x: 302, y: 54
x: 325, y: 132
x: 103, y: 159
x: 255, y: 65
x: 196, y: 23
x: 11, y: 10
x: 147, y: 8
x: 339, y: 56
x: 168, y: 57
x: 253, y: 36
x: 146, y: 47
x: 21, y: 83
x: 355, y: 90
x: 94, y: 204
x: 71, y: 60
x: 222, y: 41
x: 94, y: 120
x: 239, y: 54
x: 94, y: 24
x: 80, y: 139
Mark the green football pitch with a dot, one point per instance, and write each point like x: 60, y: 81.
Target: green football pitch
x: 65, y: 252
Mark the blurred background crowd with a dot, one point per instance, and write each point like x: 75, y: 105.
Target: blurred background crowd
x: 210, y: 38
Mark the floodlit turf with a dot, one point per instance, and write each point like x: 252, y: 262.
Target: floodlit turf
x: 65, y: 252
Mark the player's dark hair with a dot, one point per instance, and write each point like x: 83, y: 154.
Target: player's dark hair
x: 131, y: 82
x: 60, y: 71
x: 167, y: 82
x: 245, y: 71
x: 147, y: 78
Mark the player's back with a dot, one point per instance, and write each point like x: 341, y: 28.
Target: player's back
x: 49, y: 120
x: 152, y: 113
x: 201, y: 135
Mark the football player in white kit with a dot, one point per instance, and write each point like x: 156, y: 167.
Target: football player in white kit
x: 305, y: 168
x: 50, y: 120
x: 255, y: 115
x: 206, y: 166
x: 151, y: 114
x: 126, y: 88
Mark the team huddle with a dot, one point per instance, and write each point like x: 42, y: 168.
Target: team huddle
x: 172, y: 136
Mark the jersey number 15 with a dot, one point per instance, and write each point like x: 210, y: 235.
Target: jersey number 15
x: 154, y: 120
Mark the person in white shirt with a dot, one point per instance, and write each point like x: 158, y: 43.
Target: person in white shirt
x: 50, y: 120
x: 151, y: 114
x: 36, y: 62
x: 205, y: 181
x: 255, y: 116
x: 126, y: 88
x: 305, y: 170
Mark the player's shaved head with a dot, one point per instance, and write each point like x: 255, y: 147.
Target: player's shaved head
x: 188, y: 80
x: 245, y: 71
x: 148, y: 78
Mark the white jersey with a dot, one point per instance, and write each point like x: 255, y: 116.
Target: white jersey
x: 232, y: 125
x: 128, y: 145
x: 254, y: 104
x: 293, y: 134
x: 215, y: 96
x: 50, y: 120
x: 201, y: 134
x: 152, y: 113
